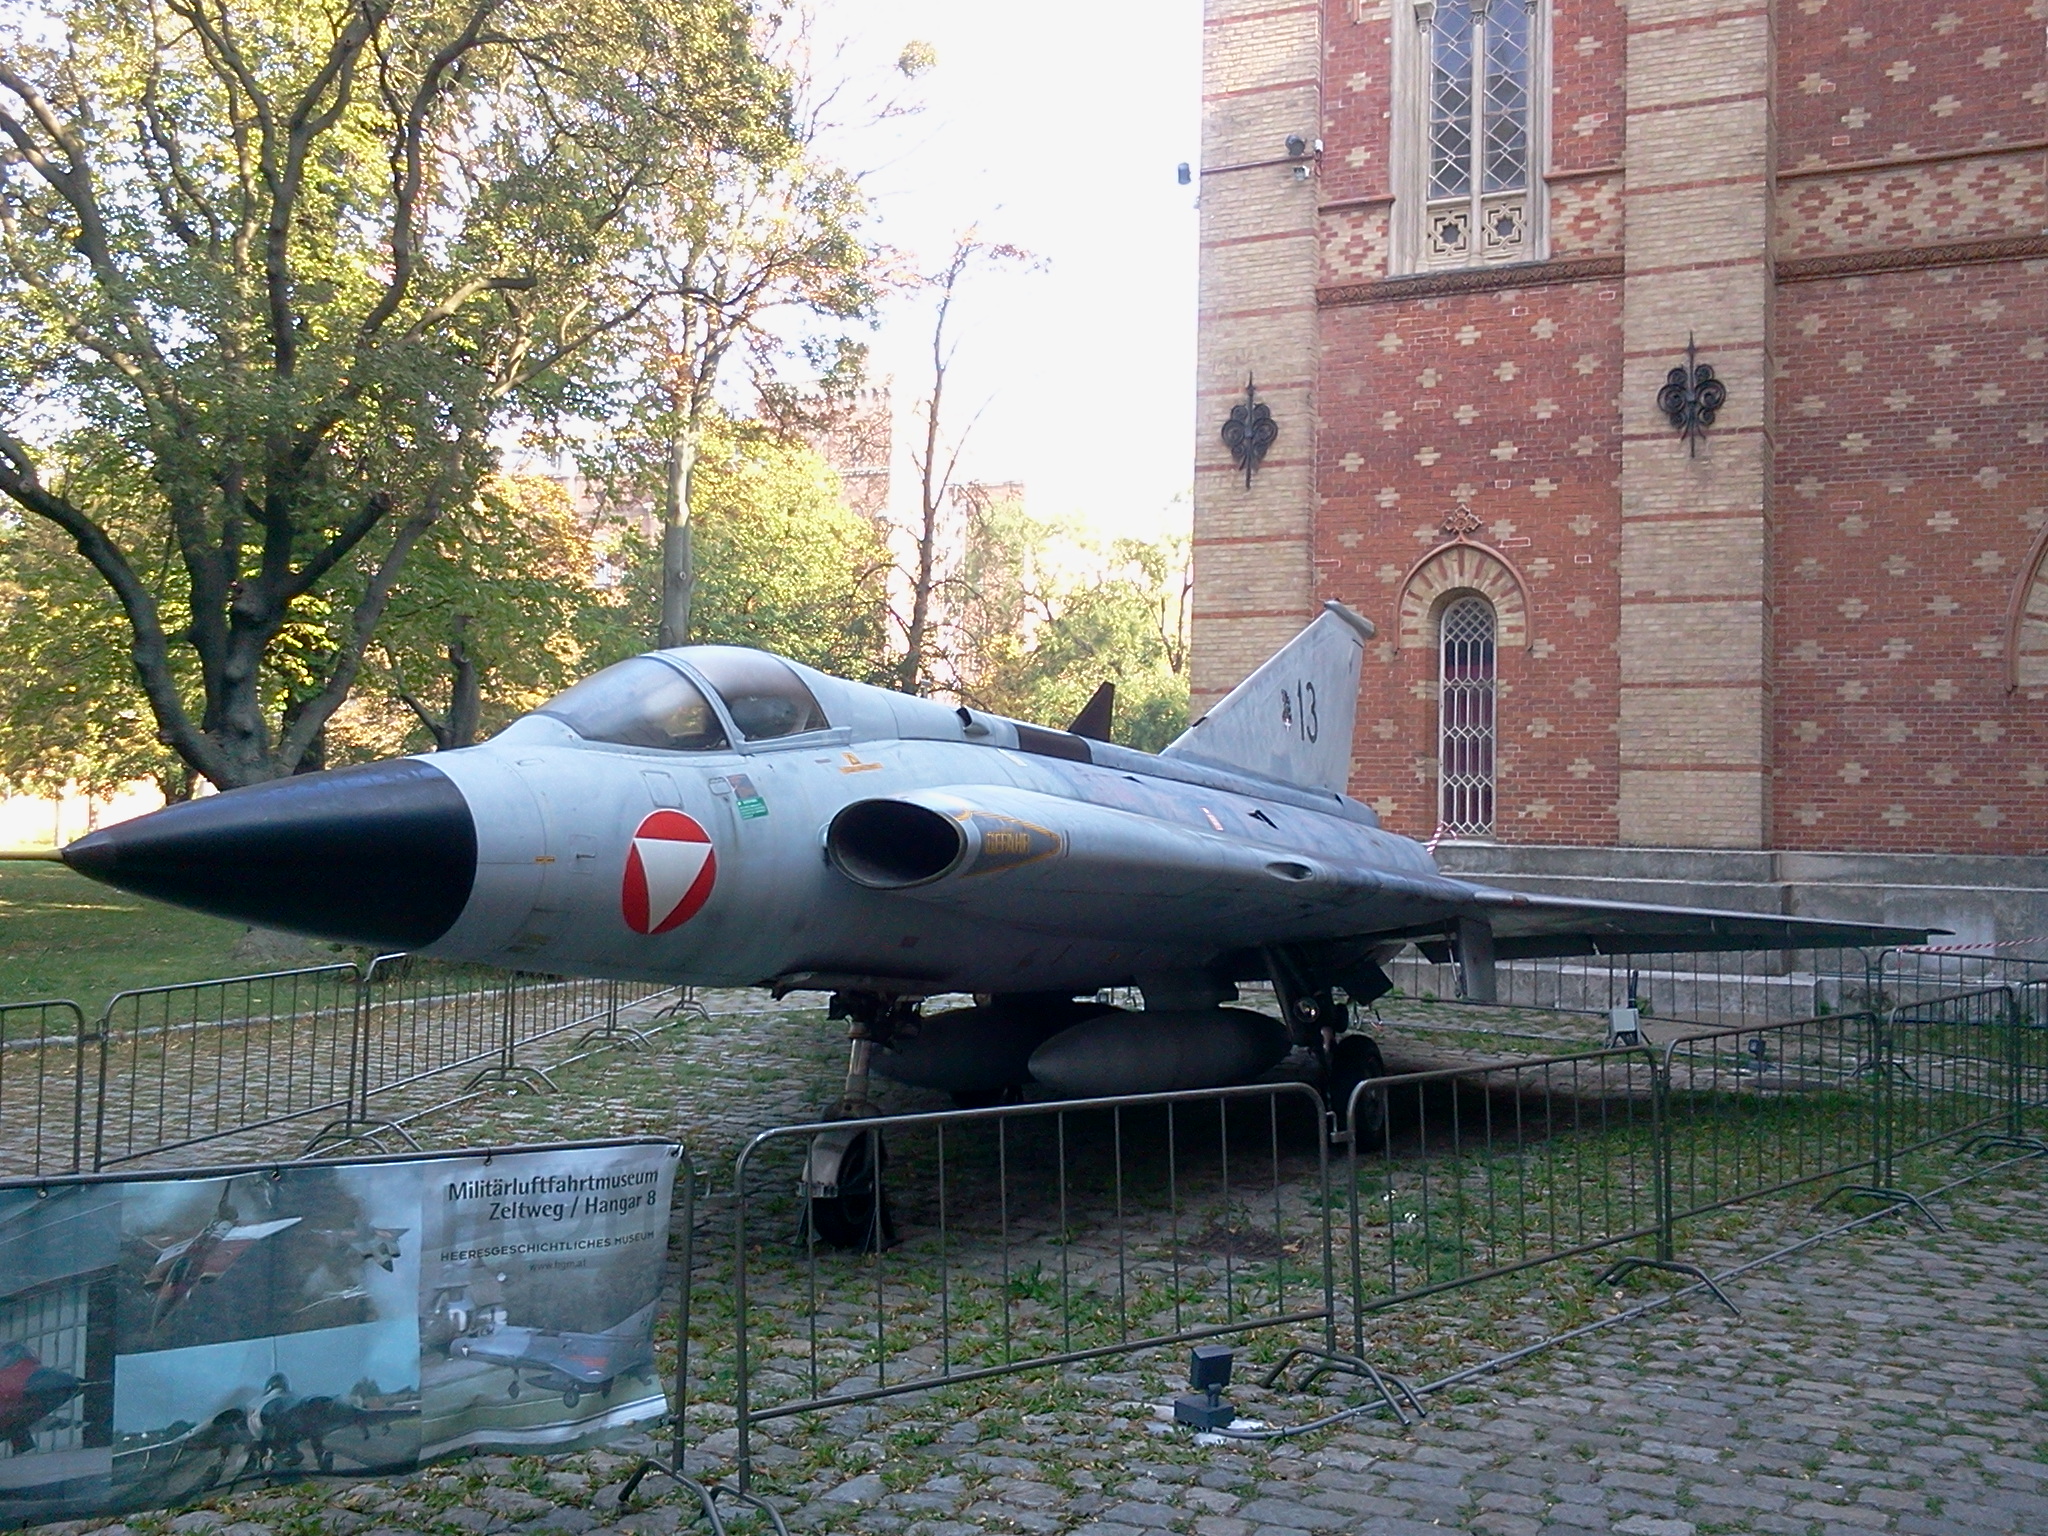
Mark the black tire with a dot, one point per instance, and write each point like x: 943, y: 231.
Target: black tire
x: 571, y: 1396
x: 855, y: 1219
x: 1353, y: 1060
x: 513, y: 1390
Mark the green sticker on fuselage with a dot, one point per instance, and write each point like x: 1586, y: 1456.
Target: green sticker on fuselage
x: 746, y: 799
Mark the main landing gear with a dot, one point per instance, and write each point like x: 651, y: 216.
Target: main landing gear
x: 1346, y: 1056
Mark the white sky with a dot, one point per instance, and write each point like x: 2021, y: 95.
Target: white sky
x: 1055, y: 126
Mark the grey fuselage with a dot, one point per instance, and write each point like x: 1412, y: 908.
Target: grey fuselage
x: 556, y: 816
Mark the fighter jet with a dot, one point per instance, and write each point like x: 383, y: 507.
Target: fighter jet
x: 285, y: 1422
x: 714, y: 815
x: 569, y: 1363
x: 30, y: 1392
x: 184, y: 1264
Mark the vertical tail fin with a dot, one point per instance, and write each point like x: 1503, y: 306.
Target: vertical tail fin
x: 1292, y: 719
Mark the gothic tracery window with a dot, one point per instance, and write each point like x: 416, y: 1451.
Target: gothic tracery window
x: 1478, y: 176
x: 1465, y: 730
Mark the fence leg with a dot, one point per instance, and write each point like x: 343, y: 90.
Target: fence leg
x: 508, y: 1073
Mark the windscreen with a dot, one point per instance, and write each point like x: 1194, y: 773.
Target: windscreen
x: 639, y: 703
x: 764, y: 697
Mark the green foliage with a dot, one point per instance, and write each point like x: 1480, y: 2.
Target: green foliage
x: 73, y: 714
x: 512, y: 585
x: 781, y: 563
x: 272, y: 275
x: 1034, y: 640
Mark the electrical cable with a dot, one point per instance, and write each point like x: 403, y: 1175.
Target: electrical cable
x: 1657, y: 1303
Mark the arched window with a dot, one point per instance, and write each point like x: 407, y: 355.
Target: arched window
x: 1472, y: 115
x: 1465, y: 728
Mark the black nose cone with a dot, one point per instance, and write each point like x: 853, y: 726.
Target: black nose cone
x: 383, y: 854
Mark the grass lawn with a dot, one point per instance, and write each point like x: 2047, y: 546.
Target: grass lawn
x: 62, y: 935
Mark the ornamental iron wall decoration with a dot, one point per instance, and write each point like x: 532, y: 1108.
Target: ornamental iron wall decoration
x: 1690, y: 397
x: 1460, y: 522
x: 1249, y: 432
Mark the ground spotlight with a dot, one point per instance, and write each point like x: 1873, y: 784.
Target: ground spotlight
x: 1208, y: 1374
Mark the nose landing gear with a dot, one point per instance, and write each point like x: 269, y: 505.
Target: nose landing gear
x: 845, y: 1204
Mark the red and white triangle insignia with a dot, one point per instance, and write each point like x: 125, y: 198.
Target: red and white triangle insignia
x: 670, y: 871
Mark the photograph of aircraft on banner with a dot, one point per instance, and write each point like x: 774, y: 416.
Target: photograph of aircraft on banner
x: 183, y: 1264
x: 30, y: 1395
x: 718, y: 816
x: 554, y: 1360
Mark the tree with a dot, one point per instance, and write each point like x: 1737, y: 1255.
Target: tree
x: 272, y: 274
x: 1040, y: 626
x: 506, y: 603
x: 746, y: 244
x: 784, y: 565
x: 73, y: 715
x: 938, y: 456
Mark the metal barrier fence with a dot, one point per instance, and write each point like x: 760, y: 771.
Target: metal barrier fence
x: 1736, y: 987
x: 1480, y: 1171
x: 1742, y: 987
x: 190, y: 1063
x: 164, y: 1069
x: 42, y: 1042
x: 1751, y: 1112
x: 1027, y: 1236
x: 1467, y: 1173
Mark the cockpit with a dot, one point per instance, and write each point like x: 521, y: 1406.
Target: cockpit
x: 652, y: 701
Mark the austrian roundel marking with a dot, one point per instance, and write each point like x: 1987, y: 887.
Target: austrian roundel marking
x: 670, y: 870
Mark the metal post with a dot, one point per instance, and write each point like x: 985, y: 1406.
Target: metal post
x: 687, y: 1172
x: 1882, y: 1129
x: 78, y: 1093
x: 741, y: 1396
x: 101, y: 1031
x: 2015, y: 1067
x: 1663, y: 1157
x: 508, y: 1029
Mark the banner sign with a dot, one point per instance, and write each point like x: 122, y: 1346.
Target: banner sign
x: 167, y: 1337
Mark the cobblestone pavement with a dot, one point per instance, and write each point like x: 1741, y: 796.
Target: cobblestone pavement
x: 1892, y: 1379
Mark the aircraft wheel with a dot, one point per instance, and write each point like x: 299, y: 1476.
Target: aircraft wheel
x: 857, y: 1217
x: 327, y: 1461
x: 1353, y: 1060
x: 571, y: 1396
x: 513, y: 1390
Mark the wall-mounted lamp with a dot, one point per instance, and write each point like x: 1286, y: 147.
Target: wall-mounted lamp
x: 1297, y: 146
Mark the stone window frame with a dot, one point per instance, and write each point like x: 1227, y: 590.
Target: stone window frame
x: 1457, y: 569
x: 1412, y: 20
x: 1461, y: 736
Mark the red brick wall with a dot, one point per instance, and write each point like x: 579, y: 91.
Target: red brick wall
x: 1911, y: 432
x: 1521, y: 382
x: 1912, y: 482
x: 1862, y: 80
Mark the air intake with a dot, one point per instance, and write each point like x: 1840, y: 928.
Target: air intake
x: 889, y: 844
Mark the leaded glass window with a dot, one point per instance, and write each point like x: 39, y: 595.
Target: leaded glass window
x: 1465, y: 733
x: 1479, y: 181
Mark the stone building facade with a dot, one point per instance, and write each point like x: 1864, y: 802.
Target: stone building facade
x: 1459, y: 246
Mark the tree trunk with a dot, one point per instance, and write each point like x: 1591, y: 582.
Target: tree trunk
x: 678, y: 569
x: 465, y: 691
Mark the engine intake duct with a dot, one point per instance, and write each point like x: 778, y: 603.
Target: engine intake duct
x: 890, y: 844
